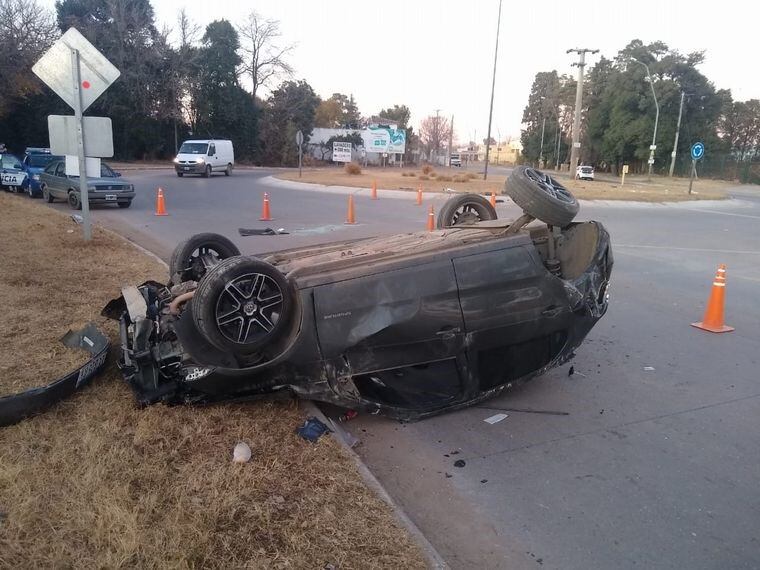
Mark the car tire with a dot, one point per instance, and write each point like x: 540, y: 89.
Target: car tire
x: 228, y: 170
x: 186, y: 265
x: 179, y: 174
x: 243, y: 305
x: 46, y: 195
x: 541, y: 196
x: 74, y: 201
x: 463, y: 210
x: 125, y: 204
x: 207, y: 172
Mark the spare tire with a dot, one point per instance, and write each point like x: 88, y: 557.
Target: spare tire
x: 243, y: 305
x: 193, y: 257
x: 541, y: 196
x: 463, y: 210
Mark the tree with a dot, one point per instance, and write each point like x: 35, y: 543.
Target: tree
x: 26, y: 31
x: 550, y: 108
x: 263, y: 60
x: 434, y: 134
x: 398, y: 113
x: 338, y: 112
x: 290, y: 108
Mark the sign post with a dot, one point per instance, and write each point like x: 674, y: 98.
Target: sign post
x: 697, y: 152
x: 625, y: 171
x: 78, y: 73
x: 299, y: 142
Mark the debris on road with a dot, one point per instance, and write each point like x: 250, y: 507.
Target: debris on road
x: 526, y: 411
x: 262, y: 232
x: 459, y: 463
x: 649, y: 368
x: 571, y: 371
x: 241, y: 453
x: 496, y: 418
x: 348, y: 416
x: 312, y: 429
x: 348, y: 438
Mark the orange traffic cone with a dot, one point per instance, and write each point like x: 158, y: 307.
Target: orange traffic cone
x: 419, y: 195
x: 160, y: 204
x: 431, y: 219
x: 266, y: 215
x: 374, y: 190
x: 713, y: 319
x: 493, y: 199
x: 350, y: 218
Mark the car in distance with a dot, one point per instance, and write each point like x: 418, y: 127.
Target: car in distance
x: 455, y: 160
x: 406, y: 325
x: 35, y: 161
x: 584, y: 173
x: 13, y: 176
x: 109, y: 188
x: 204, y: 157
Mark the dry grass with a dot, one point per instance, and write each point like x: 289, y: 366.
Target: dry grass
x: 427, y: 169
x: 97, y: 483
x: 660, y: 189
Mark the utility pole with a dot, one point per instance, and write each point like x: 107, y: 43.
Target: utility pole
x: 451, y: 138
x: 653, y: 146
x: 493, y: 87
x: 541, y: 153
x: 580, y: 64
x: 675, y: 144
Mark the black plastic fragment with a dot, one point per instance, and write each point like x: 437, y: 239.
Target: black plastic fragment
x: 16, y: 407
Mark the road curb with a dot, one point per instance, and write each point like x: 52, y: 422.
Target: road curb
x: 434, y: 559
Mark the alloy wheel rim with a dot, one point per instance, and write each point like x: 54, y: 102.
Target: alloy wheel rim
x: 249, y: 308
x: 550, y: 186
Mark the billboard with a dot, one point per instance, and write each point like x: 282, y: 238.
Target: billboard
x: 385, y: 139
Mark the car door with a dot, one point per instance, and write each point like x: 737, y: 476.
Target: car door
x: 516, y: 314
x: 397, y: 335
x: 58, y: 182
x: 212, y: 160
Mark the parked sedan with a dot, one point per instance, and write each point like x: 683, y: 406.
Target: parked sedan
x: 406, y: 325
x: 107, y: 189
x: 13, y: 177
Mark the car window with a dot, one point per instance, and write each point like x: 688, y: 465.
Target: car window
x: 40, y: 160
x: 211, y: 150
x: 61, y: 169
x: 10, y: 161
x: 193, y: 148
x: 50, y: 168
x: 106, y: 171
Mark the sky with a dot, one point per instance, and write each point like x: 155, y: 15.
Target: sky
x: 438, y: 54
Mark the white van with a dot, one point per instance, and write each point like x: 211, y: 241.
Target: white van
x: 204, y: 157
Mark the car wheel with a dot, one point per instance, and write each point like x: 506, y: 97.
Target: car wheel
x: 179, y: 174
x: 46, y: 195
x: 541, y: 196
x: 207, y: 172
x: 243, y: 305
x: 463, y: 210
x: 74, y: 202
x: 125, y: 204
x: 228, y: 170
x: 193, y: 257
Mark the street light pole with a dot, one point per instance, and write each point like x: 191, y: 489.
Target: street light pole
x: 580, y: 64
x: 675, y: 144
x: 493, y: 88
x: 653, y: 146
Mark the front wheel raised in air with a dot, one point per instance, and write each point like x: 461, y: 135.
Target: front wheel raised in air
x: 244, y: 305
x: 193, y: 257
x: 541, y: 196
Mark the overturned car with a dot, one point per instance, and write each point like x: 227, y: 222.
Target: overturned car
x: 406, y: 325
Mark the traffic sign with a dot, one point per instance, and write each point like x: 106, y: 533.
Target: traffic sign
x: 55, y: 68
x: 98, y: 136
x: 299, y: 138
x: 697, y: 150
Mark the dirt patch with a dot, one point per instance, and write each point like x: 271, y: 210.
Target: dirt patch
x: 97, y: 482
x: 639, y: 189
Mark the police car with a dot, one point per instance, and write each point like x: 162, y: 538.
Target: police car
x: 13, y: 176
x: 35, y: 161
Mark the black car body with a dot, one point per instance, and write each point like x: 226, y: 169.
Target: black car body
x: 406, y: 325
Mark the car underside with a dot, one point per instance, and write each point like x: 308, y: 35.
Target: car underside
x: 406, y: 325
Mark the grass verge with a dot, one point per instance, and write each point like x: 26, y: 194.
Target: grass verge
x: 96, y: 482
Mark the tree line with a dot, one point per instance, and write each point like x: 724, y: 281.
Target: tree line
x: 618, y: 115
x: 175, y: 83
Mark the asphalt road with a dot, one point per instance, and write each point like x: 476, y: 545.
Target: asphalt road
x: 653, y: 461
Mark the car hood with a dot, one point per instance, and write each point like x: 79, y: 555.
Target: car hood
x: 104, y: 181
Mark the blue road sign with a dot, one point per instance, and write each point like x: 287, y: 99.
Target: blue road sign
x: 697, y: 150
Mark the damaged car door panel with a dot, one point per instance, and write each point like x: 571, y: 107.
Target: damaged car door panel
x: 406, y: 325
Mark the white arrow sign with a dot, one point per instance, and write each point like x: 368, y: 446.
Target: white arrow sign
x: 55, y: 69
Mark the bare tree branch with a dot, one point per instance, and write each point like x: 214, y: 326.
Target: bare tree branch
x: 263, y: 59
